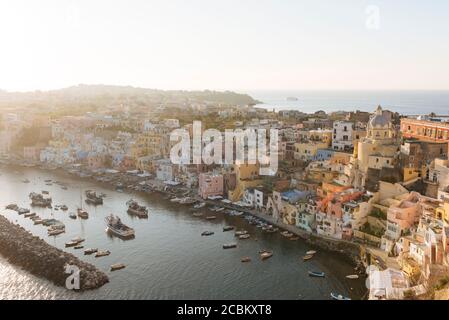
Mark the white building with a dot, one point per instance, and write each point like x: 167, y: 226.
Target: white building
x: 343, y: 135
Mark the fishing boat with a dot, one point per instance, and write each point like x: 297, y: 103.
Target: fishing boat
x: 211, y: 218
x: 307, y: 257
x: 336, y: 296
x: 78, y: 247
x: 38, y: 221
x: 228, y: 228
x: 92, y: 198
x: 64, y: 207
x: 117, y: 266
x: 244, y: 236
x: 352, y: 277
x: 116, y: 227
x: 78, y: 239
x: 246, y: 259
x: 72, y: 216
x: 187, y: 200
x: 266, y: 255
x: 137, y: 210
x: 207, y: 233
x: 230, y: 246
x: 317, y: 274
x: 12, y: 206
x: 90, y: 251
x: 102, y: 253
x: 23, y: 211
x: 30, y: 214
x: 312, y: 252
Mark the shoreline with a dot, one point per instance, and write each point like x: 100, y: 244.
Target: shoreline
x: 21, y: 248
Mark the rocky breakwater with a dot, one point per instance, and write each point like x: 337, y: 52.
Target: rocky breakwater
x: 36, y: 256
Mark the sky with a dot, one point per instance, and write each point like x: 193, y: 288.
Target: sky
x: 225, y: 45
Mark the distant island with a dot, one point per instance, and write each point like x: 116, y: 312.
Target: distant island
x: 101, y: 95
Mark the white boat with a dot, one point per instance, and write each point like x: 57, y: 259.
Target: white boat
x: 352, y: 277
x: 339, y: 297
x: 116, y: 227
x: 311, y: 252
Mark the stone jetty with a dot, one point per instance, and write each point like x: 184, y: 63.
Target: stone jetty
x: 36, y: 256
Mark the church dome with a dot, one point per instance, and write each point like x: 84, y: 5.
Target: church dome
x: 380, y: 119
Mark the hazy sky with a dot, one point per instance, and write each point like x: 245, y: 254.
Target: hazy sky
x: 226, y: 44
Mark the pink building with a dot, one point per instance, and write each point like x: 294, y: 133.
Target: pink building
x: 210, y: 185
x: 406, y: 213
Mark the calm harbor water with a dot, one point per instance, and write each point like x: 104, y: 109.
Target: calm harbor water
x: 407, y: 102
x: 168, y: 259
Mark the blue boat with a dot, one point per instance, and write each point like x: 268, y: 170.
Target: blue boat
x: 317, y: 274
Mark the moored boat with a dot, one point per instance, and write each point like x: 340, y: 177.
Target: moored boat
x: 211, y: 217
x: 336, y: 296
x: 135, y: 209
x: 207, y: 233
x: 197, y: 214
x: 71, y: 244
x: 244, y: 236
x: 90, y: 251
x: 228, y: 228
x: 312, y: 252
x: 307, y: 257
x: 92, y: 198
x: 230, y: 246
x: 117, y: 266
x: 317, y: 274
x: 55, y: 232
x: 199, y: 205
x: 115, y: 226
x: 240, y: 233
x: 352, y: 277
x: 246, y: 259
x: 38, y: 200
x: 266, y: 255
x: 72, y: 216
x: 102, y: 253
x: 83, y: 214
x: 286, y: 234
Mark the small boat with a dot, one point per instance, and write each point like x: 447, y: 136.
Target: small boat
x: 266, y: 255
x: 197, y: 214
x: 71, y: 244
x: 228, y: 228
x: 64, y: 207
x: 230, y: 246
x: 317, y: 274
x: 47, y: 180
x: 102, y: 253
x: 240, y: 233
x: 55, y: 232
x: 38, y: 221
x: 339, y: 297
x: 199, y: 205
x: 246, y: 259
x: 117, y: 266
x: 45, y: 192
x: 12, y: 206
x: 78, y: 247
x: 90, y: 251
x: 118, y: 228
x: 286, y: 234
x: 78, y: 239
x: 83, y: 214
x: 30, y: 215
x: 72, y: 216
x: 244, y: 236
x: 64, y: 188
x: 211, y: 218
x: 207, y: 233
x: 307, y: 257
x: 352, y: 277
x: 294, y: 239
x: 312, y: 252
x: 23, y: 211
x: 136, y: 209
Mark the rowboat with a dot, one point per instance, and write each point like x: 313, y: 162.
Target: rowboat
x: 230, y: 246
x: 207, y: 233
x: 352, y: 277
x: 246, y: 259
x: 317, y: 274
x: 102, y: 253
x: 312, y: 252
x: 244, y: 236
x: 117, y: 266
x: 308, y: 257
x: 90, y: 251
x: 339, y: 297
x: 266, y: 255
x: 211, y: 218
x: 228, y: 228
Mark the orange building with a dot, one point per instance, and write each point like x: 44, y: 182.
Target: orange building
x: 425, y: 130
